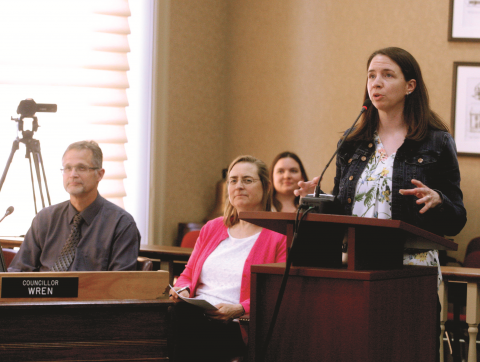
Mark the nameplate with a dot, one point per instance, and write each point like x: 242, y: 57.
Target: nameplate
x: 64, y: 287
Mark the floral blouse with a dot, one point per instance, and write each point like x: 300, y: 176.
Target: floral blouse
x: 373, y: 199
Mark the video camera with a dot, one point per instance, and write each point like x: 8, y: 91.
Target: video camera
x: 28, y: 108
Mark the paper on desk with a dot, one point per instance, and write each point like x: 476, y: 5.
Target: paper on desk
x: 202, y: 303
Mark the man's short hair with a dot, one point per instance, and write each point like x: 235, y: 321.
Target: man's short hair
x: 97, y: 155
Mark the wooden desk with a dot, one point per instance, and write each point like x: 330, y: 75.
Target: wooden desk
x: 471, y: 278
x: 98, y: 285
x: 168, y: 255
x: 11, y: 241
x: 116, y: 316
x: 114, y: 330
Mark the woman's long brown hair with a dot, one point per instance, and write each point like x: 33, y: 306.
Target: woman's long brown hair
x: 417, y: 113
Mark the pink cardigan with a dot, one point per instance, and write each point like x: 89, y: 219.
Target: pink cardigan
x: 270, y: 247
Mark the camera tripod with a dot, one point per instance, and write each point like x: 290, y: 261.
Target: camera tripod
x: 32, y: 147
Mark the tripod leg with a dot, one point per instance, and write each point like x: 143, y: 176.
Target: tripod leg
x: 39, y: 178
x: 15, y: 147
x: 38, y: 154
x: 33, y: 185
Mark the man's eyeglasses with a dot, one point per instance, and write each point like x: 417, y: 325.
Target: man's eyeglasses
x: 78, y: 169
x: 245, y: 181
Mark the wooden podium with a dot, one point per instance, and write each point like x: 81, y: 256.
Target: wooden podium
x: 372, y: 309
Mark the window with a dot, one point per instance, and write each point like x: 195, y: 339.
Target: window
x: 73, y: 54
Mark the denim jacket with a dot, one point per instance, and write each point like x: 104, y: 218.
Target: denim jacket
x: 432, y: 161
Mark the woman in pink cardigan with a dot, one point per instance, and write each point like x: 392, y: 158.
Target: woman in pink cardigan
x: 219, y: 269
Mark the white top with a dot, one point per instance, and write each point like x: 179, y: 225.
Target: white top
x: 221, y: 276
x: 373, y: 193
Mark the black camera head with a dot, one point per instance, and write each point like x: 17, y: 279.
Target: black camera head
x: 28, y: 108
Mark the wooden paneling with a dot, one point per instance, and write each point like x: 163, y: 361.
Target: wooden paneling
x: 84, y: 331
x: 327, y: 316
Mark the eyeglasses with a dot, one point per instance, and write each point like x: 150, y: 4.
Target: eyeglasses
x: 78, y: 169
x: 245, y: 181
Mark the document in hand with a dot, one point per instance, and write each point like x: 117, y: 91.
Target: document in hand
x: 202, y: 303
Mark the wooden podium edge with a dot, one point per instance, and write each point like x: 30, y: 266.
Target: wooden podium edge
x: 332, y: 273
x: 277, y: 221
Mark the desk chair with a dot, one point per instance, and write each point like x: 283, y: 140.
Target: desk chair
x: 189, y: 239
x: 8, y: 255
x: 472, y: 260
x: 184, y: 228
x: 456, y: 323
x: 473, y: 245
x: 144, y: 264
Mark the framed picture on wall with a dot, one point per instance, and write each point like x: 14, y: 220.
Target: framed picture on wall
x: 466, y: 108
x: 464, y: 20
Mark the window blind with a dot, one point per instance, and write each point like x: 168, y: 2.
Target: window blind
x: 74, y: 54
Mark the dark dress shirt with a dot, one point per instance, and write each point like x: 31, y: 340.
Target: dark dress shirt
x: 109, y: 239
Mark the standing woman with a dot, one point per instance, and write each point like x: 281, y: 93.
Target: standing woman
x: 219, y: 270
x: 286, y: 171
x: 400, y: 162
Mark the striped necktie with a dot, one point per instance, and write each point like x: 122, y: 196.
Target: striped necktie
x: 68, y: 252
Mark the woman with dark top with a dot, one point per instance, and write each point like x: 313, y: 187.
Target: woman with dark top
x: 218, y: 270
x: 286, y: 171
x: 400, y: 163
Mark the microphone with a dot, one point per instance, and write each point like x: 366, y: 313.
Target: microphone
x: 317, y: 199
x: 8, y: 212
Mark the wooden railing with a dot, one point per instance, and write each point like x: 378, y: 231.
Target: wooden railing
x: 470, y: 277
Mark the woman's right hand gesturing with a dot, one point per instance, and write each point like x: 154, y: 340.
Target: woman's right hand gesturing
x: 307, y: 187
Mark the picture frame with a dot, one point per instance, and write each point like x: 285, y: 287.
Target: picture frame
x: 466, y: 108
x: 464, y: 20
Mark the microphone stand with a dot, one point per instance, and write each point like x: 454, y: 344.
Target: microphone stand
x: 6, y: 214
x: 308, y: 204
x: 296, y: 230
x: 317, y: 200
x: 32, y: 147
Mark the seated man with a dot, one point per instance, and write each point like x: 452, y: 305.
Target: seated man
x: 87, y: 233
